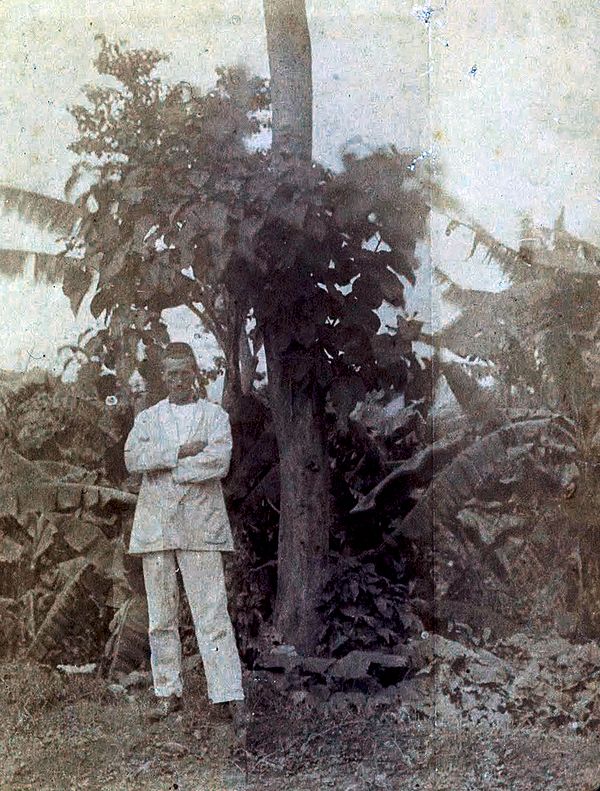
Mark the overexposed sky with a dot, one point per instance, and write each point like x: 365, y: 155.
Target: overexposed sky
x: 510, y: 88
x: 516, y: 107
x: 367, y: 65
x: 502, y: 96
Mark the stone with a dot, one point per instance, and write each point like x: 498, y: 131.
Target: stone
x: 357, y: 664
x: 77, y: 670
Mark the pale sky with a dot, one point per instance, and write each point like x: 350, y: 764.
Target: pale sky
x: 502, y: 95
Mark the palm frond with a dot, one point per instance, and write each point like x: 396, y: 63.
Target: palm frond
x: 478, y: 403
x: 127, y: 647
x: 46, y: 267
x: 459, y: 481
x: 71, y: 612
x: 47, y: 213
x: 543, y: 248
x: 52, y: 495
x: 75, y: 274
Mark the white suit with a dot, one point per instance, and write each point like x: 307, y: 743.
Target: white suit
x: 181, y: 516
x: 180, y: 505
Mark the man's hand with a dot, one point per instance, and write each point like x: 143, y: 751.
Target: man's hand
x: 191, y: 449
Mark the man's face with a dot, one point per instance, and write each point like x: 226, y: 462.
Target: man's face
x: 179, y: 376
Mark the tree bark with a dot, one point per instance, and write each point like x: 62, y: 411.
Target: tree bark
x: 290, y: 63
x: 305, y: 509
x: 297, y: 407
x: 248, y: 362
x: 582, y: 510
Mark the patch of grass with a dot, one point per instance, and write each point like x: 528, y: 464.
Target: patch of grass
x: 36, y: 687
x: 72, y: 733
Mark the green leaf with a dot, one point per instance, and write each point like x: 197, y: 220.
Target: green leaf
x: 77, y: 281
x: 366, y: 289
x: 113, y: 263
x: 127, y: 647
x: 392, y: 288
x: 345, y: 392
x: 69, y: 614
x: 42, y: 531
x: 55, y: 496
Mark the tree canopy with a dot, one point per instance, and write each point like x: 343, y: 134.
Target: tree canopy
x: 184, y: 211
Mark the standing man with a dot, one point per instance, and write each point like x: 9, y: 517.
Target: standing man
x: 182, y: 445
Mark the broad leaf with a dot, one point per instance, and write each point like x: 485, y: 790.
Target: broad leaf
x: 127, y: 648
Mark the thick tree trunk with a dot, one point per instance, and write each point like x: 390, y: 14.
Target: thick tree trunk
x: 297, y: 407
x: 305, y: 511
x: 290, y: 63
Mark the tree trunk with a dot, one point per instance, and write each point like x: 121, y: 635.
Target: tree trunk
x: 305, y: 511
x: 232, y: 383
x: 297, y: 407
x: 232, y: 390
x: 582, y: 510
x: 248, y: 362
x: 589, y: 593
x: 290, y: 63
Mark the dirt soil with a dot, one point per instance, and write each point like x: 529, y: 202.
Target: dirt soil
x: 76, y: 732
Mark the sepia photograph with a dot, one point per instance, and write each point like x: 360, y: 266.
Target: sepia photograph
x: 299, y: 395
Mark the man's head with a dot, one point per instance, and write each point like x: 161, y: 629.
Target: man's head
x: 180, y: 372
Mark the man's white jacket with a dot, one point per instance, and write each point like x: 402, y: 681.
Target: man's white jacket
x: 180, y: 504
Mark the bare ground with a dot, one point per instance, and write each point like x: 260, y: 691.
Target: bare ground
x: 63, y: 734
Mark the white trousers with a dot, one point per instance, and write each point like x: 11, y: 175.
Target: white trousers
x: 204, y: 583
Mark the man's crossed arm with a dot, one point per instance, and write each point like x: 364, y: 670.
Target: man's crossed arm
x: 192, y: 462
x: 191, y: 449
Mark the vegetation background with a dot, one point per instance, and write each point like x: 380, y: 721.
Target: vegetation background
x: 412, y: 392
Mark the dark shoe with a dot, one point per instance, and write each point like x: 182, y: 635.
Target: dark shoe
x: 165, y: 707
x: 233, y: 714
